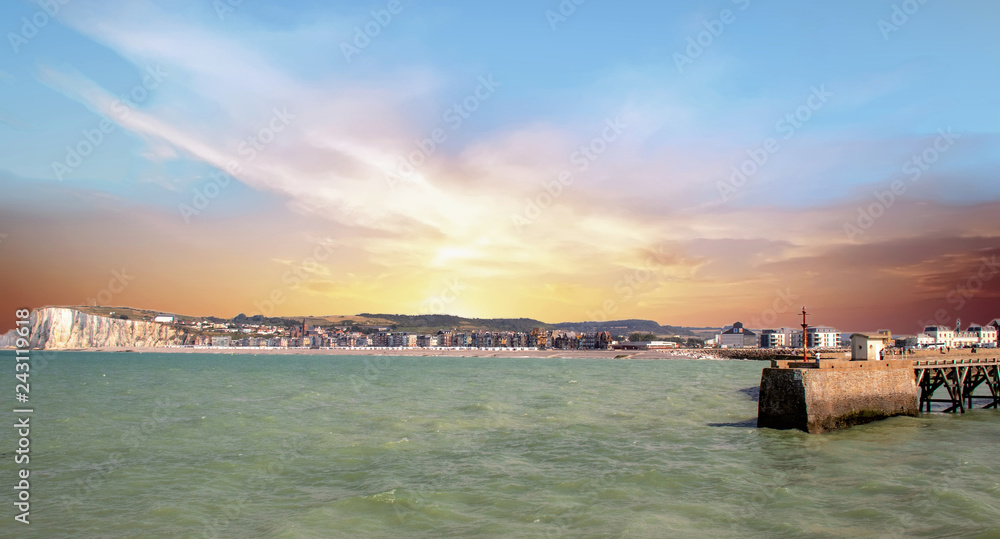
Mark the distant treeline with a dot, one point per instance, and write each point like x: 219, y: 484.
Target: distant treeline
x: 403, y: 322
x: 447, y: 321
x: 624, y: 327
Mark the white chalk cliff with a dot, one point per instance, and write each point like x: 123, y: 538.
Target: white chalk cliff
x: 56, y: 328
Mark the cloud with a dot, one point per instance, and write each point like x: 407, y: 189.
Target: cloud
x: 330, y: 146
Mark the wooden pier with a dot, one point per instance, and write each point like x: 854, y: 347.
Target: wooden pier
x: 960, y: 376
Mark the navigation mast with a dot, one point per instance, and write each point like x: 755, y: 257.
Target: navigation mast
x: 805, y: 336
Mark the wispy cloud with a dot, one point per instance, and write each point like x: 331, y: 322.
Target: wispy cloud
x: 345, y: 129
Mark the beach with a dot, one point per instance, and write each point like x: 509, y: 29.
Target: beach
x: 410, y: 352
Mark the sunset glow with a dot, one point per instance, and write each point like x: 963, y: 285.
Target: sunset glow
x: 186, y: 158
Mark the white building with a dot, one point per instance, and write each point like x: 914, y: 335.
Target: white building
x: 942, y: 336
x: 781, y: 338
x: 869, y: 346
x: 164, y: 319
x: 772, y: 338
x: 965, y: 339
x: 976, y: 336
x: 986, y: 334
x: 823, y: 337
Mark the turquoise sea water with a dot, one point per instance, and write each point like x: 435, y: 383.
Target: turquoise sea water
x: 176, y: 445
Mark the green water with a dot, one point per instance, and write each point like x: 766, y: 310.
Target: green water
x: 174, y: 445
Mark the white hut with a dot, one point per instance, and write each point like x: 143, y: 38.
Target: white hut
x: 869, y: 346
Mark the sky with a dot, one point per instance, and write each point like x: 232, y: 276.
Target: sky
x: 693, y: 163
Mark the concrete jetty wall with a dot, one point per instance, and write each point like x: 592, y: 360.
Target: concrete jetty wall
x: 835, y: 394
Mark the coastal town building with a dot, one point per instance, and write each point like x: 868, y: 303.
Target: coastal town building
x: 772, y: 338
x: 793, y: 337
x: 920, y: 340
x: 942, y: 336
x: 985, y: 334
x: 539, y: 338
x: 975, y: 336
x: 736, y: 336
x: 781, y: 338
x: 591, y: 341
x: 964, y: 339
x: 823, y: 337
x: 816, y: 337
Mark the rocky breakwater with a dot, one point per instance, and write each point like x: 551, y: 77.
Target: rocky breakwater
x: 55, y: 328
x: 771, y: 354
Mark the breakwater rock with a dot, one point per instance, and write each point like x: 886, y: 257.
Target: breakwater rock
x: 766, y: 354
x: 56, y: 328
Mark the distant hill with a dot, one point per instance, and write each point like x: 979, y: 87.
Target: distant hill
x: 625, y: 327
x: 434, y: 322
x: 416, y: 323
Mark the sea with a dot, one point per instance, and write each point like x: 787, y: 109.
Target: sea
x: 309, y: 446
